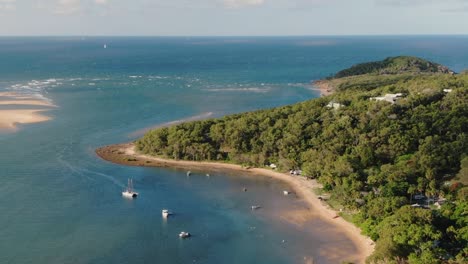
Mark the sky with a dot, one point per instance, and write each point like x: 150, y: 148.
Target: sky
x: 232, y: 17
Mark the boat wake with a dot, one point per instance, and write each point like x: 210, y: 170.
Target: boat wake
x: 83, y: 172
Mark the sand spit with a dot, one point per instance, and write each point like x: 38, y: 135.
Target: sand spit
x: 26, y: 110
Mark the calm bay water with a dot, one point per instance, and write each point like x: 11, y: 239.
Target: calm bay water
x: 61, y: 204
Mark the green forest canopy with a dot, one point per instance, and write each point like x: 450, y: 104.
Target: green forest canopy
x: 372, y: 156
x: 394, y: 65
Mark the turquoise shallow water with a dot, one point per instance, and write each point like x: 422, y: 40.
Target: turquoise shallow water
x: 61, y: 204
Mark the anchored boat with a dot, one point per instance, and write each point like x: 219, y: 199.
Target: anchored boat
x: 184, y: 234
x: 166, y: 213
x: 129, y: 192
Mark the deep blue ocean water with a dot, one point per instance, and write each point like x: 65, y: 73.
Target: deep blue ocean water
x: 59, y: 203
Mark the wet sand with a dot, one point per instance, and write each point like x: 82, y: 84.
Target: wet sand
x: 324, y: 86
x: 27, y: 110
x: 125, y: 154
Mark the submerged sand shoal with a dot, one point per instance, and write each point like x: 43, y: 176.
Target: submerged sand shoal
x: 125, y: 154
x: 27, y: 110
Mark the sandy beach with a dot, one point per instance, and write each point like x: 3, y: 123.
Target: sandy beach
x: 125, y: 154
x: 324, y: 87
x: 26, y: 110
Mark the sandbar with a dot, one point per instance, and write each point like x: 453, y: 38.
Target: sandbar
x: 25, y: 101
x: 27, y: 110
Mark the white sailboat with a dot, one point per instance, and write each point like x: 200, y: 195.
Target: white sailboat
x: 129, y: 192
x: 184, y: 234
x: 166, y: 213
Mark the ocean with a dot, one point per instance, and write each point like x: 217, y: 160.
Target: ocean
x: 60, y: 203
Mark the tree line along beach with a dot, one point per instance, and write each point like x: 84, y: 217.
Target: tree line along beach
x: 383, y: 135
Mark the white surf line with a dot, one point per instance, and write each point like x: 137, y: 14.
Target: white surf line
x: 143, y: 131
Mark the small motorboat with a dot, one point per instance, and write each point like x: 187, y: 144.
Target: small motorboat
x: 184, y: 234
x: 255, y: 207
x: 286, y: 192
x: 129, y: 192
x: 166, y: 213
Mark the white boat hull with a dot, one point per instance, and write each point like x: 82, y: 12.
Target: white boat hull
x: 127, y: 194
x: 165, y: 213
x: 184, y: 234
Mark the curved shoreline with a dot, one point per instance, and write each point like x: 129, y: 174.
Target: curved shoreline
x: 125, y: 154
x: 325, y: 87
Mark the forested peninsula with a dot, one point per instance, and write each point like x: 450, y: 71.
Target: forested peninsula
x: 390, y: 145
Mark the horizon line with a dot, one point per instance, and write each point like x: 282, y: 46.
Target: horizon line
x: 245, y: 36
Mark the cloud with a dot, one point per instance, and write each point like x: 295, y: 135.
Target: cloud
x: 101, y: 2
x: 242, y: 3
x: 67, y: 7
x: 462, y: 9
x: 403, y: 2
x: 448, y: 6
x: 418, y: 2
x: 7, y: 5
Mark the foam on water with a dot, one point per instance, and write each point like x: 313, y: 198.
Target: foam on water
x: 35, y: 88
x: 141, y: 132
x: 243, y: 89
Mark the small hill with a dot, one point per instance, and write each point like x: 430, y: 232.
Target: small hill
x: 395, y: 65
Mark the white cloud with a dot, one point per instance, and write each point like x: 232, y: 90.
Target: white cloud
x: 403, y: 2
x: 7, y: 5
x: 242, y: 3
x: 101, y: 2
x: 67, y: 7
x: 418, y: 2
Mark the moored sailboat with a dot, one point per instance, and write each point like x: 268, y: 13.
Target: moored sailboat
x: 129, y: 192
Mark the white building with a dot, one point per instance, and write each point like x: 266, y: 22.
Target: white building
x: 391, y: 98
x: 334, y: 105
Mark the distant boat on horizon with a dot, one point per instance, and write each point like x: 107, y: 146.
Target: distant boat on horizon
x: 105, y: 46
x: 129, y: 192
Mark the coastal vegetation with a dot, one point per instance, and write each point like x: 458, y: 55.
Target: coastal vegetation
x: 399, y: 166
x: 394, y: 65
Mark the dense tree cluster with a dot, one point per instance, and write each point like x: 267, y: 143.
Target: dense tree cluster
x: 374, y: 157
x: 394, y: 65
